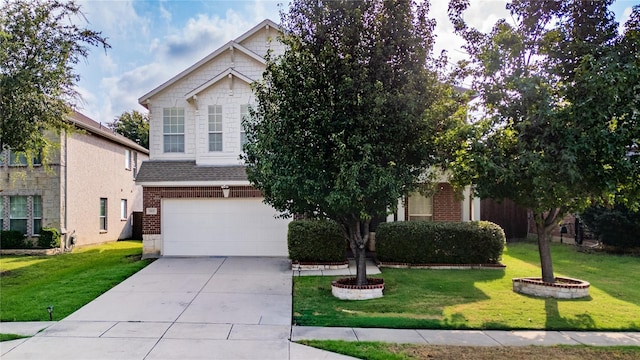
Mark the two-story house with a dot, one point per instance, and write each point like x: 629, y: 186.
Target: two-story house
x: 197, y: 199
x: 86, y: 190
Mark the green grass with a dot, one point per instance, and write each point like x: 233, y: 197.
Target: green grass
x: 387, y: 351
x: 9, y: 337
x: 483, y: 299
x: 30, y: 284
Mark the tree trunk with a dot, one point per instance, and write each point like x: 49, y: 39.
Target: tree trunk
x: 358, y: 231
x: 544, y: 226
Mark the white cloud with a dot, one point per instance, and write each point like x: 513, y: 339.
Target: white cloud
x: 201, y: 35
x: 164, y: 13
x: 626, y: 15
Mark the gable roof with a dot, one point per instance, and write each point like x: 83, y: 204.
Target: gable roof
x: 181, y: 172
x: 85, y: 123
x: 231, y: 44
x: 229, y: 72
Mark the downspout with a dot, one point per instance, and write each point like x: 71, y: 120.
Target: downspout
x: 66, y: 190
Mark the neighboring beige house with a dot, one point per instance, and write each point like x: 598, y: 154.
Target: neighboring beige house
x: 87, y: 190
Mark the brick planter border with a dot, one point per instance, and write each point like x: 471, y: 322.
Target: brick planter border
x: 31, y: 252
x: 563, y: 288
x: 345, y: 289
x: 397, y: 265
x: 308, y: 266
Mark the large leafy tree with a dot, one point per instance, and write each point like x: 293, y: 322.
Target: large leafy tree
x: 346, y: 120
x: 558, y: 109
x: 39, y: 46
x: 134, y: 125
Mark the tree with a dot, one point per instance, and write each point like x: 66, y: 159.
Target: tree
x: 133, y: 125
x: 346, y: 119
x: 39, y: 45
x: 558, y: 110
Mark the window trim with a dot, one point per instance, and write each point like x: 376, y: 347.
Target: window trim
x: 26, y: 218
x: 429, y: 216
x: 123, y: 210
x: 244, y: 112
x: 33, y: 214
x: 167, y: 116
x: 103, y: 217
x: 127, y: 159
x: 215, y: 111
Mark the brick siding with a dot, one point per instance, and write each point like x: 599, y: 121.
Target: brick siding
x: 445, y: 205
x: 152, y: 198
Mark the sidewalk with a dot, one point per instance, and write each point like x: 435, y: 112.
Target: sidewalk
x: 468, y: 337
x: 230, y: 308
x: 425, y: 337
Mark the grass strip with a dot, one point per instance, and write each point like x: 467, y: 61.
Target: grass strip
x: 484, y: 299
x: 389, y: 351
x: 31, y: 284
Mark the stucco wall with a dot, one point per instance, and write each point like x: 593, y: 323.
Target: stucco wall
x: 96, y: 169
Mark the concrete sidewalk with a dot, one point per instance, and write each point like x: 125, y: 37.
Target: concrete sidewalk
x: 176, y: 309
x: 229, y: 308
x: 468, y: 337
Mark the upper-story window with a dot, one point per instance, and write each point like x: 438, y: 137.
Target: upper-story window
x: 215, y: 127
x: 127, y: 159
x: 244, y: 113
x: 20, y: 159
x: 173, y: 129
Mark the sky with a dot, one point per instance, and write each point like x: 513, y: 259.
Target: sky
x: 152, y: 41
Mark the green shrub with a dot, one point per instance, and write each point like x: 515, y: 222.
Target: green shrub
x: 617, y: 226
x: 12, y: 239
x: 316, y: 241
x: 49, y: 238
x: 422, y: 242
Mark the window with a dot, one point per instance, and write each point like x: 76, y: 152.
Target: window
x: 103, y: 214
x: 420, y: 207
x: 127, y: 159
x: 18, y: 213
x: 37, y: 214
x: 173, y: 129
x: 1, y: 213
x: 123, y: 209
x: 244, y: 114
x: 135, y: 165
x: 20, y: 159
x: 215, y: 127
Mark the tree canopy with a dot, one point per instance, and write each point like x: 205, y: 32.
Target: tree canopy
x: 346, y: 120
x: 39, y: 46
x: 558, y: 109
x: 133, y: 125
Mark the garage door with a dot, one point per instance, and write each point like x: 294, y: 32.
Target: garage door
x: 222, y: 227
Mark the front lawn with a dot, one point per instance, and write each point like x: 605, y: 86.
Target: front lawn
x: 483, y: 299
x: 30, y: 284
x: 386, y: 351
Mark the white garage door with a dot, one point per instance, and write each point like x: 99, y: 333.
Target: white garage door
x: 222, y: 227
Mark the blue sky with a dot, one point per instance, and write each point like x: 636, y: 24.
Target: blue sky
x: 154, y: 40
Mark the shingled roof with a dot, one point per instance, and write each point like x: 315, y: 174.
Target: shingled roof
x: 188, y: 171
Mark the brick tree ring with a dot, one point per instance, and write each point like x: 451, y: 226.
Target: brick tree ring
x: 563, y: 288
x: 346, y: 289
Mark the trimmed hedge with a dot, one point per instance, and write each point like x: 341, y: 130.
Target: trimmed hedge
x: 420, y: 242
x: 316, y: 241
x: 12, y: 239
x: 618, y: 226
x: 49, y: 238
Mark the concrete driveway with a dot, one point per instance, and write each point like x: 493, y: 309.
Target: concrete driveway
x: 182, y: 308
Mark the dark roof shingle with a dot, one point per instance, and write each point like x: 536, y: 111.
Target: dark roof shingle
x: 171, y: 170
